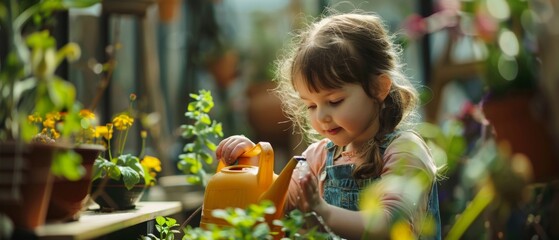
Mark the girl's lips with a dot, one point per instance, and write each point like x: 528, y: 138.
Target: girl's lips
x: 333, y: 131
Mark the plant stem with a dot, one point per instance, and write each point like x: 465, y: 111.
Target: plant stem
x: 109, y: 149
x: 111, y: 63
x: 123, y: 143
x: 143, y: 147
x: 478, y: 204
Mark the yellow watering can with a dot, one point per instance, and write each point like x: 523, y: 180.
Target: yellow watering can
x: 240, y: 185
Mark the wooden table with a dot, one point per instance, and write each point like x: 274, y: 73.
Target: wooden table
x: 129, y: 224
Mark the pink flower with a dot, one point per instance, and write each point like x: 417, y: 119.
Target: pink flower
x: 486, y: 26
x: 415, y: 26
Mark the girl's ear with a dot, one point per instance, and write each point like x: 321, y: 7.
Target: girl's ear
x: 383, y: 84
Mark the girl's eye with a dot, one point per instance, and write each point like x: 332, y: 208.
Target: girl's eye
x: 311, y: 107
x: 336, y: 102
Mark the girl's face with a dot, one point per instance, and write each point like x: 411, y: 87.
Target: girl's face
x: 346, y: 116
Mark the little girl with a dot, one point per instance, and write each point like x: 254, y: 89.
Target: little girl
x: 344, y: 89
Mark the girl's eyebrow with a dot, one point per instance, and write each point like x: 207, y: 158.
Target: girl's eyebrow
x: 327, y: 93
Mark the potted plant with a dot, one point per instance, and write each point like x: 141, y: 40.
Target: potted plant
x: 72, y: 169
x: 514, y: 105
x: 197, y: 159
x: 505, y: 34
x: 28, y: 84
x: 119, y: 179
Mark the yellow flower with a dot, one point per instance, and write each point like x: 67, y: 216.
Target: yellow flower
x: 35, y: 118
x: 85, y: 113
x: 123, y: 122
x: 54, y: 134
x: 53, y: 115
x: 151, y: 163
x: 401, y: 230
x: 49, y: 123
x: 104, y: 131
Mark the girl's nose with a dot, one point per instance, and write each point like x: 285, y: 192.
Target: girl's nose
x: 323, y: 115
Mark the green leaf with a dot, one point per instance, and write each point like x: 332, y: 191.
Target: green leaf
x: 218, y: 129
x: 205, y: 119
x: 62, y: 93
x: 28, y: 130
x: 171, y: 221
x: 191, y: 107
x: 114, y: 172
x: 67, y: 164
x: 160, y: 220
x: 261, y: 230
x: 72, y: 122
x: 189, y: 147
x: 210, y: 145
x: 43, y: 104
x: 129, y: 176
x: 79, y: 3
x: 132, y: 162
x: 206, y: 157
x: 193, y: 179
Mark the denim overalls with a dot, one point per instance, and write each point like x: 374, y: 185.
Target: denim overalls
x: 342, y: 190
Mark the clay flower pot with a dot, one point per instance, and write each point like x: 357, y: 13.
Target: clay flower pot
x: 514, y: 121
x: 26, y: 183
x: 68, y: 197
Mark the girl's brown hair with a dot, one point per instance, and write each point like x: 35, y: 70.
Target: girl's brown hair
x: 348, y: 48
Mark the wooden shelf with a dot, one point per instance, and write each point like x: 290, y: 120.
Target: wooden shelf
x: 93, y: 224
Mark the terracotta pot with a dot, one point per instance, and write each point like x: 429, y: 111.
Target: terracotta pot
x: 168, y: 10
x: 112, y: 195
x: 224, y: 68
x: 68, y: 197
x: 265, y: 115
x: 26, y: 181
x: 137, y: 7
x: 514, y: 120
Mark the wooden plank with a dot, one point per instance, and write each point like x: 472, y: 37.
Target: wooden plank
x: 93, y: 224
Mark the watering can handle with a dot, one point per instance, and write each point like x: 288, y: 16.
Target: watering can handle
x: 245, y: 158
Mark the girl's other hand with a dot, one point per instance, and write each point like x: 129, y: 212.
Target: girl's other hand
x: 232, y: 148
x: 309, y: 198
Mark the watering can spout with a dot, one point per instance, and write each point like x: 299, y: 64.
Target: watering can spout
x: 277, y: 193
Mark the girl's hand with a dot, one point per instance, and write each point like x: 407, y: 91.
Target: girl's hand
x: 309, y: 198
x: 233, y: 147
